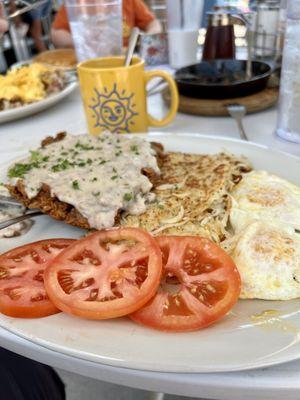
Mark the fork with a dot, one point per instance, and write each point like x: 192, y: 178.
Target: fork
x: 9, y: 201
x: 6, y: 201
x: 237, y: 112
x: 20, y: 218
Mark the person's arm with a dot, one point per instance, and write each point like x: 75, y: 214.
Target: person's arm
x: 36, y: 33
x: 145, y: 19
x: 154, y: 27
x: 3, y: 25
x: 61, y: 38
x: 3, y: 22
x: 60, y: 30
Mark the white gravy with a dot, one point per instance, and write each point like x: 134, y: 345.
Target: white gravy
x: 98, y: 175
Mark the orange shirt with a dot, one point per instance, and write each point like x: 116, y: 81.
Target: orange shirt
x: 135, y: 13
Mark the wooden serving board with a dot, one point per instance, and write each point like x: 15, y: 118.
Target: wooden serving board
x: 254, y: 103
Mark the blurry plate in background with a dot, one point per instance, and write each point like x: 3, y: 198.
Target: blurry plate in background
x: 59, y: 58
x: 34, y: 108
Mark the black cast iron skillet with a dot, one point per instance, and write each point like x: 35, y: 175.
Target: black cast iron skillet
x: 222, y: 79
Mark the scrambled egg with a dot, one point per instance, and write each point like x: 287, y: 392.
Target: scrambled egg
x: 268, y: 258
x: 24, y: 83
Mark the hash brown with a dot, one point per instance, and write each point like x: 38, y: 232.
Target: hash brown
x: 192, y: 195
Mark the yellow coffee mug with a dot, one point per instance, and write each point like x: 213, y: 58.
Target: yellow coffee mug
x: 115, y: 98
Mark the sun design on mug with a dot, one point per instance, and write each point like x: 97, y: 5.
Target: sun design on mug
x: 113, y: 110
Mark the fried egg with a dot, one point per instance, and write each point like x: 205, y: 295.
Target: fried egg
x: 268, y: 259
x: 262, y: 196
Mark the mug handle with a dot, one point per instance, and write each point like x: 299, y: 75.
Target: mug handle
x: 174, y: 98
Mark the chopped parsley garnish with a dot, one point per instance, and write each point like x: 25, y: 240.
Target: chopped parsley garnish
x: 89, y: 161
x: 127, y: 196
x: 75, y: 185
x: 134, y: 148
x: 94, y: 179
x: 35, y: 155
x: 19, y: 169
x: 96, y: 194
x: 65, y: 164
x: 64, y: 153
x: 102, y: 162
x: 114, y: 169
x: 114, y: 177
x: 118, y: 153
x: 82, y: 146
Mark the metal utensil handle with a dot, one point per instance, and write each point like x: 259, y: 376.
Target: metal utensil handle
x: 21, y: 218
x: 238, y: 111
x: 26, y: 9
x: 9, y: 201
x: 157, y: 89
x: 131, y: 45
x: 241, y: 129
x: 249, y: 35
x: 159, y: 86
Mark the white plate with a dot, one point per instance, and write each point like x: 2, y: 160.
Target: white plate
x: 34, y: 108
x: 235, y: 343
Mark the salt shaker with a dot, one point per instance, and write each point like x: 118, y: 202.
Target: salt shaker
x: 288, y: 125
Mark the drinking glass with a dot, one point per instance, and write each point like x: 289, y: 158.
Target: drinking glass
x: 288, y: 125
x: 184, y: 19
x: 96, y: 27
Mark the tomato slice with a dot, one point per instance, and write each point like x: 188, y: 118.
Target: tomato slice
x: 108, y: 274
x: 22, y: 291
x: 200, y: 284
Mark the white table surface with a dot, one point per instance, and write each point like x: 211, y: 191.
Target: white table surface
x: 269, y: 383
